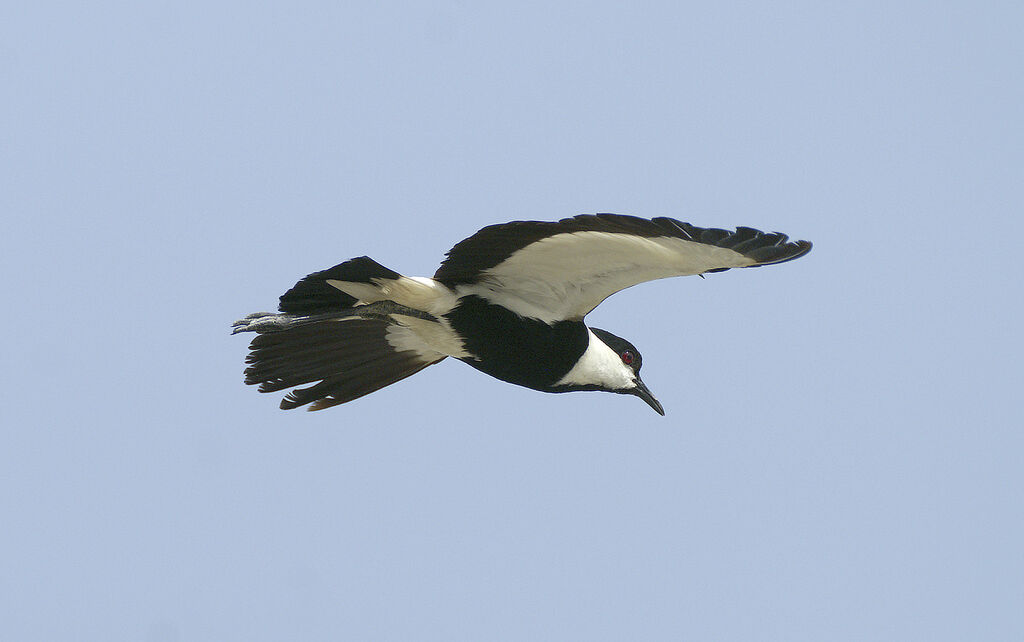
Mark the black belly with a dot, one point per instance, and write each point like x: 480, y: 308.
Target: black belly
x: 512, y: 348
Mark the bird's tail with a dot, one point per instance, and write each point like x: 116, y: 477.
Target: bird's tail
x: 325, y: 337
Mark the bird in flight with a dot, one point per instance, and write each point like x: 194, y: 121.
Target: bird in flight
x: 509, y: 301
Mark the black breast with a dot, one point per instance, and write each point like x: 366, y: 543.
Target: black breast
x: 512, y: 348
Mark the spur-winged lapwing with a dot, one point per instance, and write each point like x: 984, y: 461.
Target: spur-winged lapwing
x: 509, y: 301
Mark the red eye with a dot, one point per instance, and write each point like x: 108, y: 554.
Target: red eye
x: 627, y: 357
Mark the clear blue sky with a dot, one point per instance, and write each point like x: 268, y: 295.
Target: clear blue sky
x: 842, y: 455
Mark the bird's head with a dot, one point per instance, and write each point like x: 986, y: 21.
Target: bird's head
x: 610, y: 364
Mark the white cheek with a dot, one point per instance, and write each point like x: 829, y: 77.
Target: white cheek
x: 601, y: 366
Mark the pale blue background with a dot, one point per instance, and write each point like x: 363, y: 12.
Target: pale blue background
x: 842, y: 455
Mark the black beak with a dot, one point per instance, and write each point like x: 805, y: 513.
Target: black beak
x: 645, y: 394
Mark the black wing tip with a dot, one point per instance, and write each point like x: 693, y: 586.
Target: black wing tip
x: 766, y: 248
x: 773, y: 254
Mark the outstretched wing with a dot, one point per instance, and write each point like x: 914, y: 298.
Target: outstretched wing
x: 563, y: 270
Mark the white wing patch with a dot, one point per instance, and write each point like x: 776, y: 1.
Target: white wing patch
x: 565, y: 276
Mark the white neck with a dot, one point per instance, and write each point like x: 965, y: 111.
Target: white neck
x: 601, y: 366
